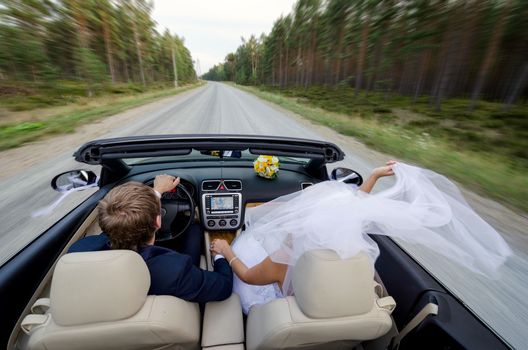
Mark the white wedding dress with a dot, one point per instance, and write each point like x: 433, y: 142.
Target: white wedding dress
x: 422, y: 207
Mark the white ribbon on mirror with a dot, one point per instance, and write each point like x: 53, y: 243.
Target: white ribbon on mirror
x: 65, y: 191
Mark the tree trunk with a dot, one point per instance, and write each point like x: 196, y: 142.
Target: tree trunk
x: 127, y: 75
x: 83, y: 36
x: 304, y: 68
x: 446, y: 72
x: 338, y: 52
x: 298, y: 65
x: 444, y: 57
x: 380, y: 45
x: 517, y: 89
x: 280, y: 68
x: 138, y: 51
x: 471, y: 20
x: 426, y: 58
x: 311, y: 80
x: 108, y: 44
x: 327, y: 71
x: 377, y: 60
x: 287, y: 65
x: 491, y: 53
x: 362, y: 54
x: 174, y: 65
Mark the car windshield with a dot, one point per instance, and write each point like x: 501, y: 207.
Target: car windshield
x: 442, y: 85
x: 211, y: 156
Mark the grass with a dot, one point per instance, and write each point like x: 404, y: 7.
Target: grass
x: 454, y: 142
x: 59, y: 120
x: 18, y: 96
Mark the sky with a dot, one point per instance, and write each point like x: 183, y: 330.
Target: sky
x: 213, y: 28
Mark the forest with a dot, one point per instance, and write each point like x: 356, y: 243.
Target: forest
x: 53, y: 51
x: 475, y: 49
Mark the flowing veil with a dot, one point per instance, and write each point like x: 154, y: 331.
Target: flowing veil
x: 422, y: 207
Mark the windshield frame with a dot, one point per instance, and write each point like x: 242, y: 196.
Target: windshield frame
x: 199, y: 156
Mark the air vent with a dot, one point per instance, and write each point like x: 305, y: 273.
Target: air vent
x: 210, y: 185
x: 305, y: 185
x: 233, y: 185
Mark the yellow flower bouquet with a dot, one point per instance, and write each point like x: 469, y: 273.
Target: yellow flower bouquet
x: 266, y: 166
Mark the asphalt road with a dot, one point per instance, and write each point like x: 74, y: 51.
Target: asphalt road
x: 217, y: 108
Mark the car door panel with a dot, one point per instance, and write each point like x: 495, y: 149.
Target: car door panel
x: 454, y: 327
x: 404, y: 279
x: 22, y: 274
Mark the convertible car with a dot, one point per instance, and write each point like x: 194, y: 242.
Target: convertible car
x: 53, y: 300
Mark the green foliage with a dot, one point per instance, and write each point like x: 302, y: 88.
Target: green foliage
x: 439, y: 49
x: 94, y: 42
x: 89, y: 67
x: 217, y: 73
x: 17, y: 97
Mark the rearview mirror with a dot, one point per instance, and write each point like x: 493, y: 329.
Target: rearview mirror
x: 73, y: 179
x: 347, y: 176
x: 223, y: 154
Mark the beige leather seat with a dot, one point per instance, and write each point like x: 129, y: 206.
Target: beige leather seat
x: 98, y: 300
x: 335, y: 306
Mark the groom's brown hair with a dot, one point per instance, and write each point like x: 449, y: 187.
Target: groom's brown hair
x: 128, y: 215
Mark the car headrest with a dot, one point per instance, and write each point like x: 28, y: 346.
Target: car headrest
x: 98, y: 286
x: 327, y: 286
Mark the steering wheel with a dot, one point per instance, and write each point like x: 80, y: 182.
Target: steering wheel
x: 171, y: 212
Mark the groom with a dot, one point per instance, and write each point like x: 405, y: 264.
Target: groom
x: 129, y: 215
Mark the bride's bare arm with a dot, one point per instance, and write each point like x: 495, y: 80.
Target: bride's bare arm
x: 376, y: 174
x: 265, y: 272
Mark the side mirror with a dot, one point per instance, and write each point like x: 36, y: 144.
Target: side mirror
x: 347, y: 176
x: 73, y: 179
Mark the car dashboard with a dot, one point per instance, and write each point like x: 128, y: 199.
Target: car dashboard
x: 221, y: 204
x: 221, y: 194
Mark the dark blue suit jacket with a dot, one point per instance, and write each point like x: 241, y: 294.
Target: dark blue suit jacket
x: 172, y: 273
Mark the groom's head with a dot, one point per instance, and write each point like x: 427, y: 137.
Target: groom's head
x: 130, y: 215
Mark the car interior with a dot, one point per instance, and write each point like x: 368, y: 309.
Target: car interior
x: 98, y: 300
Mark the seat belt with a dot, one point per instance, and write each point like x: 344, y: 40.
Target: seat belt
x: 386, y: 303
x: 37, y: 317
x: 429, y: 309
x: 31, y: 321
x: 41, y: 306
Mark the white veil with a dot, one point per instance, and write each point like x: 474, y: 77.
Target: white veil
x: 421, y: 208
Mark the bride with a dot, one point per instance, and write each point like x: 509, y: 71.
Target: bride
x: 421, y: 208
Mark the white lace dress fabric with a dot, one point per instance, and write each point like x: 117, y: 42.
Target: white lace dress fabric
x: 422, y: 207
x: 249, y: 251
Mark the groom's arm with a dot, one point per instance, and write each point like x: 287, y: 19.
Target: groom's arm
x: 198, y: 285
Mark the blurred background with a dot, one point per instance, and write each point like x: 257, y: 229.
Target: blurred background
x: 439, y: 83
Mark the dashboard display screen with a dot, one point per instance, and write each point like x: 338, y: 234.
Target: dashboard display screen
x: 222, y: 203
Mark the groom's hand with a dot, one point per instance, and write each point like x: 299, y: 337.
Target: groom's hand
x: 164, y: 183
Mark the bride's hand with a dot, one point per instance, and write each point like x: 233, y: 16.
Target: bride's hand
x: 384, y: 170
x: 219, y: 246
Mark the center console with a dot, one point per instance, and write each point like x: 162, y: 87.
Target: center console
x: 221, y: 205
